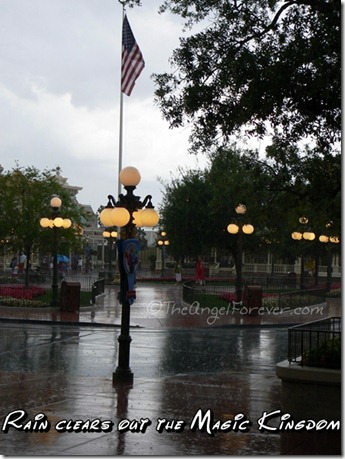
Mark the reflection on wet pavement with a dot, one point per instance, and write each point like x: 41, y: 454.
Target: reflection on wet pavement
x: 160, y: 307
x: 65, y: 372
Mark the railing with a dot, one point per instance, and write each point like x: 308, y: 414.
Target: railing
x: 316, y: 343
x: 192, y: 293
x: 226, y: 290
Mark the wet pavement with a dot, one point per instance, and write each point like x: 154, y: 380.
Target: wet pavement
x: 195, y: 374
x: 160, y: 306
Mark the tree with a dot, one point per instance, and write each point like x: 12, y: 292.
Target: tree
x: 25, y: 195
x: 256, y: 65
x: 184, y: 214
x: 278, y: 189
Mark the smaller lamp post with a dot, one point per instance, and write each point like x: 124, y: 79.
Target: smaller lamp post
x: 329, y: 240
x: 54, y: 223
x: 303, y: 235
x: 239, y: 227
x: 110, y: 235
x: 162, y: 243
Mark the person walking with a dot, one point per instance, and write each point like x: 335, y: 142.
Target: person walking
x: 178, y: 272
x: 200, y: 273
x: 21, y: 265
x: 14, y: 266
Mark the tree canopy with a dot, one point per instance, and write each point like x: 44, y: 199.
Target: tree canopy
x: 25, y: 195
x: 183, y: 214
x: 277, y: 190
x: 254, y: 67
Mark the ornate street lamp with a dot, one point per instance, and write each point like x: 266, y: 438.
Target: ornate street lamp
x: 303, y: 235
x: 239, y: 227
x: 330, y: 240
x: 128, y: 213
x: 162, y: 243
x: 55, y: 222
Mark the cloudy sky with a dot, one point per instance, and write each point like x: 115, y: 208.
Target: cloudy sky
x: 60, y: 94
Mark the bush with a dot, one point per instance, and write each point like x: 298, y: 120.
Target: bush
x: 326, y: 355
x: 335, y: 293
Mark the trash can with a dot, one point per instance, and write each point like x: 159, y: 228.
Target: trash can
x: 252, y: 299
x: 70, y: 296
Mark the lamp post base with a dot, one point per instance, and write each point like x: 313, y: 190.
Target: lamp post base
x: 123, y: 376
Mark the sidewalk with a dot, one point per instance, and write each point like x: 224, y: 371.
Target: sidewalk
x: 160, y: 306
x: 181, y: 363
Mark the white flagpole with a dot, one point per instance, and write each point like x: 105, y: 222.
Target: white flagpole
x: 121, y: 109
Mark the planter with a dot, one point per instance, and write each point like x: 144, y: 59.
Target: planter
x: 310, y: 393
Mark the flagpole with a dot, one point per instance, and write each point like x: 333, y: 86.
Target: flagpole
x: 121, y: 110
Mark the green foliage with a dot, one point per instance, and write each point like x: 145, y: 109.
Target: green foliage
x: 326, y: 355
x: 183, y: 214
x: 277, y: 190
x: 255, y: 65
x: 334, y: 293
x: 25, y: 195
x: 41, y: 301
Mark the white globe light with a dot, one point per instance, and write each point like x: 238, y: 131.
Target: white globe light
x: 137, y: 218
x: 241, y: 209
x: 308, y: 236
x: 58, y: 222
x: 44, y: 222
x: 55, y: 202
x: 67, y: 223
x: 130, y: 176
x: 248, y: 229
x: 119, y: 216
x: 105, y: 216
x: 232, y: 228
x: 149, y: 217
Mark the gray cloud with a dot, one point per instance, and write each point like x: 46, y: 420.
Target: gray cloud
x: 60, y: 90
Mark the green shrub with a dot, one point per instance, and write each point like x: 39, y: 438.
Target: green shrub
x: 335, y: 293
x: 326, y: 355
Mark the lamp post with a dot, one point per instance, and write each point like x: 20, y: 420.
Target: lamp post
x: 239, y: 227
x: 303, y: 235
x: 128, y: 213
x: 55, y: 222
x: 162, y: 243
x: 329, y: 240
x: 110, y: 235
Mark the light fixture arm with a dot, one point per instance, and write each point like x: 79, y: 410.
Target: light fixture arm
x: 111, y: 202
x: 130, y: 201
x: 148, y: 202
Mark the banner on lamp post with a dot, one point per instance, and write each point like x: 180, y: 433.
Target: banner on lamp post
x: 128, y: 250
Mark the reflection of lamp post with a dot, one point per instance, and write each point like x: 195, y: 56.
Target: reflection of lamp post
x: 239, y: 227
x: 128, y: 213
x: 304, y: 235
x: 55, y: 222
x: 329, y: 241
x: 110, y: 236
x: 162, y: 243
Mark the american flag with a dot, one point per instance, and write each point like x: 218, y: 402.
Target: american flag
x: 132, y: 59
